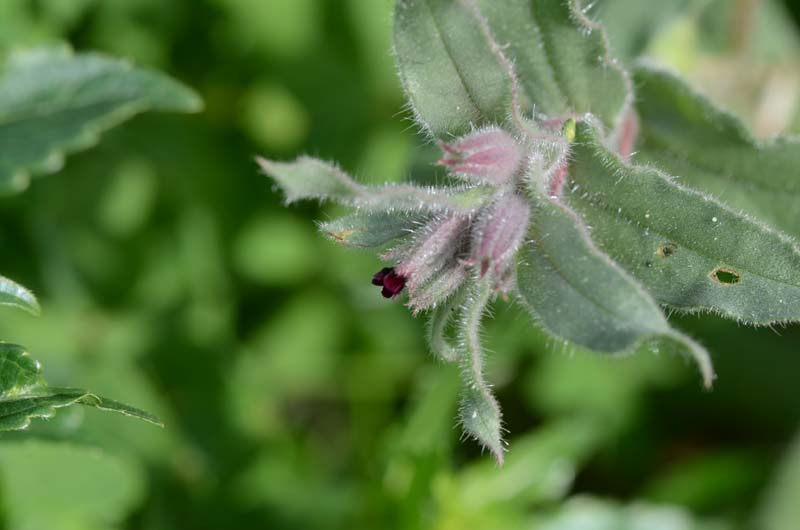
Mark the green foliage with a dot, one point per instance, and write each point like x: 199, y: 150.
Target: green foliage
x: 170, y: 276
x: 15, y: 295
x: 54, y: 102
x: 25, y: 395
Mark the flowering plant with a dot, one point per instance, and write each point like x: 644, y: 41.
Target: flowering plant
x: 560, y: 195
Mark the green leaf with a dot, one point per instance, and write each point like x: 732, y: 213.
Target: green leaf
x: 713, y: 151
x: 309, y: 178
x: 453, y: 77
x: 780, y: 509
x: 24, y: 395
x: 54, y: 102
x: 479, y: 412
x: 561, y: 58
x: 690, y: 251
x: 371, y: 229
x: 61, y: 486
x: 15, y: 295
x: 455, y: 59
x: 580, y: 295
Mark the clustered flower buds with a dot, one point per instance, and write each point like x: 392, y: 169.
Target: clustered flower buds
x: 436, y: 261
x: 488, y: 156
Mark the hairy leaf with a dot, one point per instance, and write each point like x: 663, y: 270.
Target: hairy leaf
x: 24, y: 395
x: 452, y: 76
x: 371, y: 229
x: 479, y: 412
x: 13, y: 294
x: 561, y: 58
x: 54, y: 102
x: 713, y: 151
x: 579, y: 294
x: 690, y: 251
x: 309, y: 178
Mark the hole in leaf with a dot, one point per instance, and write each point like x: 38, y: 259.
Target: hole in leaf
x: 725, y: 276
x: 666, y: 250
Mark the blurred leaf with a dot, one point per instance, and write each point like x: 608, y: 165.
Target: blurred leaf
x: 129, y: 198
x: 64, y: 487
x: 15, y: 295
x: 540, y: 467
x: 711, y: 150
x: 274, y: 117
x: 689, y: 250
x: 53, y: 102
x: 285, y: 29
x: 582, y: 296
x: 24, y: 395
x: 585, y: 513
x: 633, y: 24
x: 708, y: 482
x: 276, y: 250
x: 780, y: 510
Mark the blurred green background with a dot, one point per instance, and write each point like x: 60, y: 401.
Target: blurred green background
x: 295, y: 396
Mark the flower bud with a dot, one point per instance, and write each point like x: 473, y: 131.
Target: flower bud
x: 499, y: 233
x: 488, y: 156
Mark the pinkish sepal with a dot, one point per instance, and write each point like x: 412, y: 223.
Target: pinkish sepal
x: 499, y: 234
x: 487, y: 156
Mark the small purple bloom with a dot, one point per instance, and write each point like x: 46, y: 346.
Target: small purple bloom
x: 391, y: 282
x: 487, y: 156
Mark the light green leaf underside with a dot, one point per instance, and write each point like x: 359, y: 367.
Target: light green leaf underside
x: 581, y: 296
x: 24, y: 395
x: 15, y: 295
x: 690, y: 251
x: 560, y: 57
x: 450, y: 73
x: 371, y: 229
x: 309, y: 178
x: 711, y: 150
x: 54, y: 102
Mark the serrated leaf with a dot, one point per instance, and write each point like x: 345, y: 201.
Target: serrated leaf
x: 24, y: 394
x: 710, y: 149
x: 309, y: 178
x: 580, y: 295
x: 561, y: 58
x: 452, y: 76
x: 690, y: 251
x: 54, y: 102
x: 371, y: 229
x: 15, y: 295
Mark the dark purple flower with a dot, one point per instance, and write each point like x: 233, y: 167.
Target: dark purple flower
x: 391, y: 282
